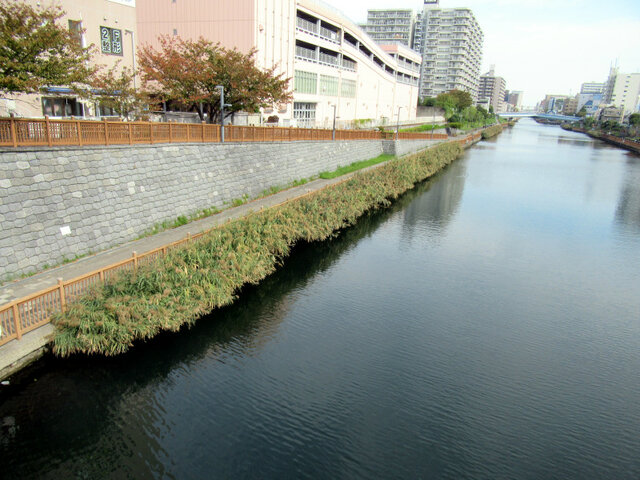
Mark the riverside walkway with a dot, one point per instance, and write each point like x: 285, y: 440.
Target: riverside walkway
x: 15, y: 354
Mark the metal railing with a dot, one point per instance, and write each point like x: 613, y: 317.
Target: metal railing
x: 28, y: 313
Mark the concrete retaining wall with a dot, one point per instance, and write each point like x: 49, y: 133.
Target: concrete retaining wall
x: 59, y: 203
x: 403, y: 147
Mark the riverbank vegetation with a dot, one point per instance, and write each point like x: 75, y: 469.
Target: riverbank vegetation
x: 491, y: 131
x: 196, y: 278
x: 338, y: 172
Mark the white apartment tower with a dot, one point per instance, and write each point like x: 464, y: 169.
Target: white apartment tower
x: 623, y: 90
x: 387, y: 27
x: 451, y: 47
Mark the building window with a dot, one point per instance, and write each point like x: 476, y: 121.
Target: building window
x: 304, y: 113
x: 111, y: 41
x: 75, y: 27
x: 62, y: 107
x: 348, y: 88
x: 305, y: 82
x: 328, y: 85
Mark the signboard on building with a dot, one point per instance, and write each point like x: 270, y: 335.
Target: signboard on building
x: 128, y: 3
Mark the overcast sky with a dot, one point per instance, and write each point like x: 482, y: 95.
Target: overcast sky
x: 542, y: 46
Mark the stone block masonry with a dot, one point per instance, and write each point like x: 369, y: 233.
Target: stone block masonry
x: 62, y: 203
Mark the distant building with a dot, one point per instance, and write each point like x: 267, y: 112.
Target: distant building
x: 391, y: 26
x: 590, y: 101
x: 588, y: 88
x: 513, y: 98
x: 491, y: 91
x: 570, y: 106
x: 110, y: 25
x: 451, y: 47
x: 623, y: 90
x: 553, y: 103
x: 611, y: 113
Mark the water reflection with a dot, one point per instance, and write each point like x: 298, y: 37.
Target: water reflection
x: 628, y: 207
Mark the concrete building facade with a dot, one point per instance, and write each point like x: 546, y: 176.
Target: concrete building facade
x: 491, y: 91
x: 334, y: 66
x: 623, y: 90
x: 109, y: 25
x: 451, y: 48
x: 391, y: 26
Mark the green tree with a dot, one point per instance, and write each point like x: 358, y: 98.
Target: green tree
x: 427, y: 102
x: 634, y: 119
x: 114, y: 88
x: 36, y: 51
x: 582, y: 113
x: 453, y: 102
x: 188, y: 72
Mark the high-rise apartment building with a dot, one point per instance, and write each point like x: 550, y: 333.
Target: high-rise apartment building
x: 513, y: 100
x: 451, y: 48
x: 491, y: 91
x: 391, y: 26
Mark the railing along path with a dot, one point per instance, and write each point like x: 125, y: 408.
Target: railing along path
x: 17, y: 132
x: 28, y: 313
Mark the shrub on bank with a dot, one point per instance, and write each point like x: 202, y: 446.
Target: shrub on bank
x: 491, y: 131
x: 194, y: 279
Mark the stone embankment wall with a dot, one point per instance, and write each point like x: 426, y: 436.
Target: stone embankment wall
x: 60, y: 203
x: 403, y: 147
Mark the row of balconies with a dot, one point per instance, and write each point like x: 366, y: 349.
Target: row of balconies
x: 318, y: 30
x: 333, y: 59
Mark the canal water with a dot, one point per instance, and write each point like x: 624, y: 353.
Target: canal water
x: 486, y: 326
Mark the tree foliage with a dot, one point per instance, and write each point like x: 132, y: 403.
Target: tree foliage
x: 114, y: 88
x: 634, y: 119
x: 188, y: 72
x: 36, y: 51
x: 453, y: 102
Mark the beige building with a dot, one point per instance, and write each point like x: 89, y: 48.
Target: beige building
x: 623, y: 90
x: 109, y: 25
x: 332, y: 63
x: 391, y: 26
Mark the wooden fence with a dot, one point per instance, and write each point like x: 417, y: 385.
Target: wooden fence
x: 28, y: 313
x: 18, y: 132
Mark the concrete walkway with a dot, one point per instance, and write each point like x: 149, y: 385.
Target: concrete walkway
x: 15, y: 354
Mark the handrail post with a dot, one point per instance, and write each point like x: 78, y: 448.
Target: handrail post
x: 14, y: 136
x: 48, y: 130
x: 134, y: 255
x: 106, y: 132
x: 63, y: 301
x: 79, y: 128
x: 16, y: 321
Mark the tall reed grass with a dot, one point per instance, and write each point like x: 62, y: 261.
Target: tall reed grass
x: 206, y: 274
x: 491, y: 131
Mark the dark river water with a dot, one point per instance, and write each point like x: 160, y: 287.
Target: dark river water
x: 486, y: 326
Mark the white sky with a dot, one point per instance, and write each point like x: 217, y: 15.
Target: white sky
x: 542, y: 46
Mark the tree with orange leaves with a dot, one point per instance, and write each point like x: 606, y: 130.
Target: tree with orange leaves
x: 188, y: 72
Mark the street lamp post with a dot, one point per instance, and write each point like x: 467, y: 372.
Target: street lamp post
x: 398, y: 123
x: 222, y: 105
x: 333, y: 133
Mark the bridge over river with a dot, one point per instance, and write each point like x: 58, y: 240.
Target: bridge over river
x: 547, y: 116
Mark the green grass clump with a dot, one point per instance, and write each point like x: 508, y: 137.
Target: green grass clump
x: 207, y: 273
x: 491, y: 131
x: 356, y: 166
x: 426, y: 127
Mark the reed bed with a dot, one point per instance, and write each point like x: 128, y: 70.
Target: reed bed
x: 206, y: 274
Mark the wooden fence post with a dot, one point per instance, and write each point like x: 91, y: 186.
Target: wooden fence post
x: 16, y: 321
x: 48, y: 130
x: 79, y: 128
x: 106, y: 132
x: 170, y: 132
x: 130, y: 133
x: 14, y: 136
x: 134, y: 255
x: 188, y: 132
x: 202, y: 123
x: 151, y: 132
x: 63, y: 301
